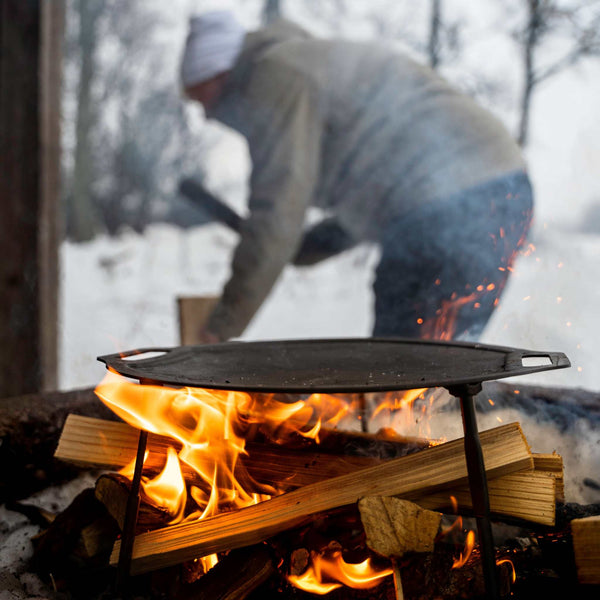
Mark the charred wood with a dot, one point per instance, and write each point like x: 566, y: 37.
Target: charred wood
x: 75, y: 548
x: 234, y: 577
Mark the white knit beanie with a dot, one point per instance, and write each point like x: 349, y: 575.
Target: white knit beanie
x: 212, y: 46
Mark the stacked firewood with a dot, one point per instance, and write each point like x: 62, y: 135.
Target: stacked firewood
x: 324, y: 483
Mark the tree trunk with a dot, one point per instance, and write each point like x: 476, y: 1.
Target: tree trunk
x: 271, y: 11
x: 80, y: 224
x: 433, y: 47
x: 531, y: 40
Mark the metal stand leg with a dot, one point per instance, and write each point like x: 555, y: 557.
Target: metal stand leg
x: 478, y: 485
x: 131, y: 513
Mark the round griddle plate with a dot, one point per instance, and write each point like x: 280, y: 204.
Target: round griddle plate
x: 331, y: 365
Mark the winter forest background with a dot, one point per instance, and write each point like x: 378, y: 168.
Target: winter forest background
x: 133, y: 244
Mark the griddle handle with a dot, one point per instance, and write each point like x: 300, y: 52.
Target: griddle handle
x: 110, y: 359
x: 514, y: 361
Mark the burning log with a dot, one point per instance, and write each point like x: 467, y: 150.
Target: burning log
x: 505, y: 451
x: 101, y: 444
x: 98, y: 443
x: 586, y: 544
x: 113, y: 490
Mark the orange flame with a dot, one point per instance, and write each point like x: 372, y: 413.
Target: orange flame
x: 400, y: 411
x: 334, y: 567
x: 208, y: 424
x: 167, y: 489
x: 210, y: 427
x: 503, y: 561
x: 464, y: 556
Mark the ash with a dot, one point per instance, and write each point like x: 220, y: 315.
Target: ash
x: 16, y: 545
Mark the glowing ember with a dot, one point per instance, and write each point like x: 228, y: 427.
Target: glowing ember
x: 327, y: 573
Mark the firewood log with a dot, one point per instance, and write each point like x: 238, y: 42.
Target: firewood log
x: 505, y: 451
x: 395, y: 527
x: 586, y: 544
x: 527, y: 496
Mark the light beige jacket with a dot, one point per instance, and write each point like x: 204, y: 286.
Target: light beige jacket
x: 357, y: 129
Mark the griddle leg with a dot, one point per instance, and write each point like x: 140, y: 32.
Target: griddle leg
x: 131, y: 514
x: 478, y: 485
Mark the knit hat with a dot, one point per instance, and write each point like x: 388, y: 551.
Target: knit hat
x: 212, y: 46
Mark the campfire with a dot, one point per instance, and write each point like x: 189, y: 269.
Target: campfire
x: 273, y: 486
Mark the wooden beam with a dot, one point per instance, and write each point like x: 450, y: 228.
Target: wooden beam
x: 29, y: 118
x: 49, y: 226
x: 505, y: 451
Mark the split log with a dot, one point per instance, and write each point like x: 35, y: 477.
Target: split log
x: 30, y: 427
x: 586, y: 544
x: 109, y: 445
x: 552, y: 464
x: 530, y: 496
x: 505, y: 451
x: 395, y: 527
x: 100, y: 444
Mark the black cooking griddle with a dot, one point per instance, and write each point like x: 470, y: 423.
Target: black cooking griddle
x: 331, y: 365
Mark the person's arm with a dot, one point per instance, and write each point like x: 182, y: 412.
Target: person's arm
x: 285, y: 152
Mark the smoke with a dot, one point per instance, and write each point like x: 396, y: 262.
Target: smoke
x: 569, y: 426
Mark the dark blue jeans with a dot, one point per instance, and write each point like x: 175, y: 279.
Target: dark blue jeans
x: 444, y: 265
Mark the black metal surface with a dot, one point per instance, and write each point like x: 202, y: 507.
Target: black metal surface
x: 330, y: 365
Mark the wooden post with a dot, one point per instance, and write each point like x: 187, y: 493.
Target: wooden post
x: 50, y: 225
x: 29, y: 118
x: 193, y: 313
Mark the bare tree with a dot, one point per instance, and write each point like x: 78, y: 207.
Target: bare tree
x: 80, y: 218
x: 433, y: 48
x: 271, y: 11
x: 578, y: 26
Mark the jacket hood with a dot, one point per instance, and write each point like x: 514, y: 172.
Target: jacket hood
x: 262, y: 40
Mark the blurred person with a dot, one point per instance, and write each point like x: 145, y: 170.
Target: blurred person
x: 389, y: 151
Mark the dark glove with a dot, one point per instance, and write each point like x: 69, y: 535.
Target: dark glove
x: 324, y: 240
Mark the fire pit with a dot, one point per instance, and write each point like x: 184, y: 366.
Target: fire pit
x: 342, y: 365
